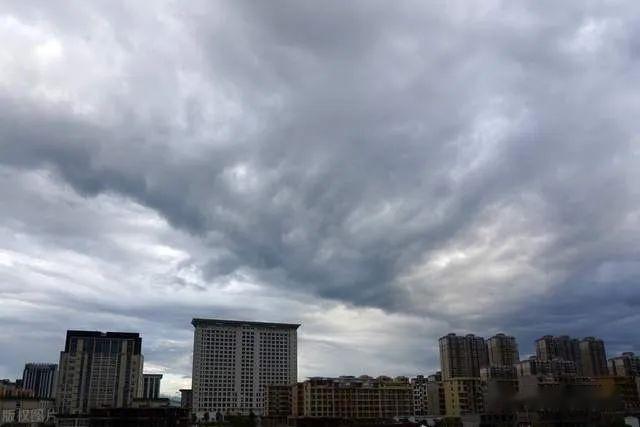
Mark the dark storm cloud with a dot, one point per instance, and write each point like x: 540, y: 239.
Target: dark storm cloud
x: 474, y: 165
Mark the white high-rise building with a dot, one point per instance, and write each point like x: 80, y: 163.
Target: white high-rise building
x: 234, y: 361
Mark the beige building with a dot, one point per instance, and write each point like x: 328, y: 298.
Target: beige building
x: 502, y: 350
x: 463, y: 396
x: 99, y: 370
x: 625, y: 365
x: 344, y: 397
x: 461, y: 360
x: 234, y: 362
x: 10, y: 389
x: 462, y: 356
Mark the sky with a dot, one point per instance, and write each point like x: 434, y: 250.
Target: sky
x: 382, y: 173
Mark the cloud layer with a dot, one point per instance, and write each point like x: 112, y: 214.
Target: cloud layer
x: 384, y: 175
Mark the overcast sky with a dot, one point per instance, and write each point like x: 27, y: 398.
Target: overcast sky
x: 382, y: 172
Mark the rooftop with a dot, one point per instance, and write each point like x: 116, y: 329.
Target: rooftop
x: 222, y: 322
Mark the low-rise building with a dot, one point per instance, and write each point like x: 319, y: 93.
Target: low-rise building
x: 497, y: 372
x: 419, y: 386
x: 279, y: 400
x: 625, y: 365
x: 343, y: 398
x: 435, y: 395
x: 622, y: 392
x: 554, y: 367
x: 555, y: 391
x: 13, y: 389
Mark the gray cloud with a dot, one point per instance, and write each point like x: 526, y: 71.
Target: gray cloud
x: 470, y: 167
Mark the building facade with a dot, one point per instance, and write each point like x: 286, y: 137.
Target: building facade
x: 234, y: 361
x: 593, y: 358
x: 419, y: 385
x: 502, y: 350
x: 461, y: 359
x: 555, y: 368
x: 41, y: 379
x: 625, y: 365
x: 186, y: 398
x: 562, y: 347
x: 463, y: 396
x: 435, y: 395
x: 279, y: 401
x: 346, y: 398
x: 151, y: 386
x: 13, y: 389
x: 462, y: 356
x: 99, y: 370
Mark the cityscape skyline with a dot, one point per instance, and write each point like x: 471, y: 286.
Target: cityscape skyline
x: 170, y: 391
x: 382, y: 175
x: 248, y: 369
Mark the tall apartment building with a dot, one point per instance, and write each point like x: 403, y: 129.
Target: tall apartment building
x: 41, y: 379
x: 98, y: 370
x: 461, y: 359
x: 625, y: 365
x: 151, y: 386
x: 462, y: 356
x: 593, y: 358
x: 234, y: 361
x: 502, y: 350
x: 562, y: 347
